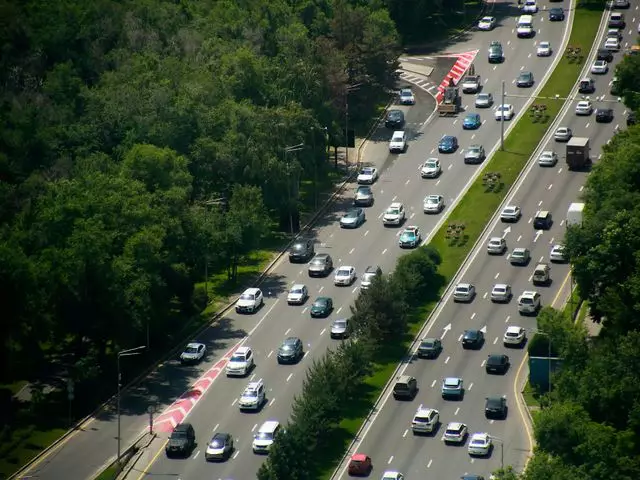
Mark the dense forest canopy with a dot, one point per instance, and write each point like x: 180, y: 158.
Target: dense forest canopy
x: 139, y: 139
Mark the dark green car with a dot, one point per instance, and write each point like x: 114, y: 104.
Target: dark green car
x: 321, y: 307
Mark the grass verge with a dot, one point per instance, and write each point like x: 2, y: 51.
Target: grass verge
x: 531, y: 396
x: 109, y: 473
x: 471, y: 216
x: 21, y: 445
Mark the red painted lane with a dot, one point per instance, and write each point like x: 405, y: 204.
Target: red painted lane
x: 464, y: 60
x: 178, y: 410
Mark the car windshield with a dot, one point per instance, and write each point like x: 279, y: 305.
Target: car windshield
x: 474, y: 149
x: 343, y: 271
x: 431, y: 165
x: 462, y: 288
x: 317, y: 261
x: 191, y: 350
x: 319, y: 303
x: 366, y: 171
x: 526, y: 300
x: 250, y: 394
x: 247, y: 296
x: 494, y: 360
x: 368, y: 276
x: 286, y: 346
x: 428, y: 344
x: 409, y: 233
x: 340, y: 323
x: 447, y: 139
x: 364, y: 190
x: 237, y: 358
x: 518, y: 253
x: 264, y: 436
x: 405, y: 93
x: 351, y: 214
x: 477, y: 441
x: 393, y: 211
x: 432, y: 199
x: 483, y: 96
x: 296, y: 290
x: 178, y: 435
x: 499, y: 289
x: 451, y: 382
x: 217, y: 442
x: 544, y: 44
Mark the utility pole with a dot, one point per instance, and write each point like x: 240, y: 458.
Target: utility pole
x: 213, y: 201
x: 123, y: 353
x: 502, y: 120
x: 349, y: 89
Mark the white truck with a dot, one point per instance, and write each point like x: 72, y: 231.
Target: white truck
x: 574, y: 214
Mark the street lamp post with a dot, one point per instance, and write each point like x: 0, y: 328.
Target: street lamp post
x: 290, y: 149
x: 501, y: 441
x: 502, y: 119
x: 123, y: 353
x: 213, y: 201
x: 349, y: 89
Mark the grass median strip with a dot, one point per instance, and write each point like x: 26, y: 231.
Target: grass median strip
x: 455, y: 239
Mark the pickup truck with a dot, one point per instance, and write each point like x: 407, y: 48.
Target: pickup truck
x: 471, y: 84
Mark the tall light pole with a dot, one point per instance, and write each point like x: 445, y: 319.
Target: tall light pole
x: 502, y: 119
x: 501, y: 441
x: 290, y: 149
x: 348, y: 90
x: 213, y: 201
x: 123, y: 353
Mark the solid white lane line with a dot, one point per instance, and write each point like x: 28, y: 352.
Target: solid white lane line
x: 262, y: 319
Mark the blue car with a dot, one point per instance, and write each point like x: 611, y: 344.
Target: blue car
x: 471, y: 121
x: 448, y: 144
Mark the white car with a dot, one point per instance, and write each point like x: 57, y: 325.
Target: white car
x: 584, y: 107
x: 344, y: 276
x: 265, y: 437
x: 464, y: 292
x: 612, y: 44
x: 193, y: 353
x: 548, y: 158
x: 487, y: 23
x: 558, y: 254
x: 544, y: 49
x: 599, y: 67
x: 253, y: 397
x: 510, y: 213
x: 433, y: 204
x: 563, y: 134
x: 398, y: 142
x: 431, y: 168
x: 456, y: 432
x: 496, y: 246
x: 298, y: 294
x: 504, y: 111
x: 394, y: 215
x: 407, y: 97
x: 530, y: 6
x: 367, y: 175
x: 389, y: 475
x: 425, y: 420
x: 514, y: 336
x: 480, y: 444
x: 529, y: 302
x: 240, y: 363
x: 501, y: 293
x: 250, y: 301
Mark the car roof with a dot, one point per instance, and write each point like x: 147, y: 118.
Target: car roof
x: 182, y: 427
x: 372, y: 269
x: 395, y: 205
x: 269, y: 426
x: 404, y: 379
x: 497, y: 239
x: 345, y: 267
x: 452, y: 380
x: 194, y: 345
x: 514, y: 329
x: 359, y: 457
x: 529, y: 293
x: 519, y: 249
x: 480, y: 435
x: 463, y: 285
x: 254, y: 385
x: 542, y: 213
x: 252, y: 291
x: 242, y: 350
x: 290, y: 340
x: 398, y: 133
x: 503, y: 285
x: 297, y: 286
x: 321, y: 256
x: 455, y: 425
x: 424, y: 410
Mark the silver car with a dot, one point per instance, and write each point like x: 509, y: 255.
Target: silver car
x: 363, y: 196
x: 464, y: 292
x: 510, y: 213
x: 353, y: 218
x: 548, y: 159
x: 501, y: 293
x: 520, y: 256
x: 484, y: 100
x: 563, y: 134
x: 474, y: 154
x: 496, y: 246
x: 340, y: 328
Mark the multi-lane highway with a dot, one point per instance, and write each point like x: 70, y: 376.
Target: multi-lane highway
x: 388, y: 438
x: 373, y: 244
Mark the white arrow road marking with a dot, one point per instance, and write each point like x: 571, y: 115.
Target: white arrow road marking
x: 484, y: 329
x: 446, y: 329
x: 506, y: 232
x: 538, y: 233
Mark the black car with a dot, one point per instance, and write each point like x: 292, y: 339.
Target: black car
x: 472, y: 339
x: 406, y: 388
x: 496, y: 407
x: 182, y: 441
x: 604, y: 115
x: 525, y: 79
x: 542, y: 220
x: 322, y: 307
x: 290, y: 351
x: 448, y: 144
x: 556, y: 14
x: 604, y: 54
x: 301, y: 250
x: 429, y: 348
x: 497, y: 363
x: 220, y: 448
x: 394, y: 119
x: 616, y: 20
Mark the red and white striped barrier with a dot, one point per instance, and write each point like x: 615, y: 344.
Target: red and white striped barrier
x: 464, y: 60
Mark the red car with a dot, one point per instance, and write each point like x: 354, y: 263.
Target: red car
x: 360, y: 464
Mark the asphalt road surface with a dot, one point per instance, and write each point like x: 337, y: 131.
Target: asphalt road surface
x: 371, y: 244
x: 388, y: 438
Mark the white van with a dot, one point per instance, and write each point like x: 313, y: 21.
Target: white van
x: 525, y: 26
x: 265, y: 437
